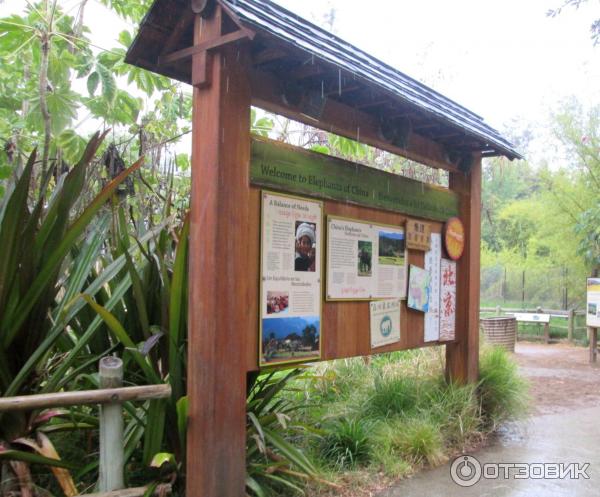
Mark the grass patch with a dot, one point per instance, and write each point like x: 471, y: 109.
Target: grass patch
x: 391, y: 415
x: 502, y: 392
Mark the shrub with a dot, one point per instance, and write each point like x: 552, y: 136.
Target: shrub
x: 346, y: 443
x: 418, y: 440
x: 455, y: 408
x: 393, y: 395
x: 502, y: 391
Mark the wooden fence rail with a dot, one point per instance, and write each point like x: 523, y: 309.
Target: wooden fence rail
x: 110, y: 397
x: 569, y: 315
x: 84, y: 397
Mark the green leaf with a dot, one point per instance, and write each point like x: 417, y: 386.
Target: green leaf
x: 121, y: 335
x: 92, y: 83
x: 178, y: 312
x: 109, y: 84
x: 182, y: 407
x: 182, y: 161
x: 155, y: 427
x: 13, y: 220
x: 55, y: 259
x: 162, y: 458
x: 19, y: 455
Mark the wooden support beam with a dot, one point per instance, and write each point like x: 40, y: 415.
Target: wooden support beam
x: 268, y: 55
x: 593, y: 336
x: 342, y: 90
x: 346, y: 121
x: 462, y: 356
x: 373, y: 103
x: 305, y: 71
x: 218, y: 42
x: 218, y: 284
x: 182, y: 25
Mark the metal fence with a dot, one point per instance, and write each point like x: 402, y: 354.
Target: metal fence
x: 556, y: 288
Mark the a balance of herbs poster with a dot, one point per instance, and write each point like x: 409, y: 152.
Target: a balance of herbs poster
x: 365, y: 260
x: 291, y: 276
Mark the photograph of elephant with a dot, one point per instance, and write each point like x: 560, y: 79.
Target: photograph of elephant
x: 365, y: 258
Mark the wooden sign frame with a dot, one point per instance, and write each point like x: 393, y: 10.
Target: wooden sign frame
x: 225, y: 244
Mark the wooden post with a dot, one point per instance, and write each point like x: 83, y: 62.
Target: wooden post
x: 112, y: 457
x: 593, y: 334
x: 462, y: 357
x: 218, y: 265
x: 547, y: 333
x: 571, y: 325
x: 498, y: 310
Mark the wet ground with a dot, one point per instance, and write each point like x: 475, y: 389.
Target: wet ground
x: 564, y: 428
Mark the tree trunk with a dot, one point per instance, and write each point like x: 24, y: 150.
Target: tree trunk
x: 43, y: 88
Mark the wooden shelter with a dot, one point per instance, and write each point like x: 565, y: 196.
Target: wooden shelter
x: 239, y: 53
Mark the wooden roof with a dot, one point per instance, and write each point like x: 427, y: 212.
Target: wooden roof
x: 311, y: 61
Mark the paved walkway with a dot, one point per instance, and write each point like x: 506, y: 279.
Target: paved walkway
x: 565, y: 428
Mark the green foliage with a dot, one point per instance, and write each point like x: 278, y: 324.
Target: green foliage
x: 272, y: 462
x: 346, y: 443
x: 50, y: 248
x: 502, y: 392
x: 393, y: 395
x: 416, y: 439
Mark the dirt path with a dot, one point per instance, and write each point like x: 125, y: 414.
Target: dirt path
x: 560, y: 377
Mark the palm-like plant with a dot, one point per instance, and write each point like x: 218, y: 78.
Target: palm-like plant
x: 49, y: 247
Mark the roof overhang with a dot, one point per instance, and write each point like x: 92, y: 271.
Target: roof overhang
x: 314, y: 73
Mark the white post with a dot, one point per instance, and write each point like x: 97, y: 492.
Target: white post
x: 112, y: 457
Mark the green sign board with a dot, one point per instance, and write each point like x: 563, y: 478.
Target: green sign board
x: 291, y: 169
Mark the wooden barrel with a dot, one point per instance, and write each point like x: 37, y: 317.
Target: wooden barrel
x: 500, y: 331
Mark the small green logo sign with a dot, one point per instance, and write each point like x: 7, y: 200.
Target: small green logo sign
x: 385, y: 326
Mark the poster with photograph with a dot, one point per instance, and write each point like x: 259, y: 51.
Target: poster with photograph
x: 291, y: 276
x: 448, y: 300
x: 418, y: 289
x: 364, y: 260
x: 385, y: 322
x: 433, y: 259
x: 593, y: 303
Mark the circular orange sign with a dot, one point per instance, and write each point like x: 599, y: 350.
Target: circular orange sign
x: 454, y: 238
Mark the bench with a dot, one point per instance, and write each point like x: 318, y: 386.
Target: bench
x: 528, y: 317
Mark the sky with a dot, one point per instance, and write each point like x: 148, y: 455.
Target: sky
x: 504, y: 60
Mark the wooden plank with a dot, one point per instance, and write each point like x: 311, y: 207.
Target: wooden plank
x: 293, y: 169
x: 346, y: 121
x: 205, y: 46
x: 218, y: 273
x: 160, y: 491
x: 462, y: 357
x: 84, y: 397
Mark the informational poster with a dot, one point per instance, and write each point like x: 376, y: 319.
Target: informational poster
x: 385, y: 322
x: 593, y: 302
x: 433, y: 259
x: 364, y: 260
x: 291, y: 276
x: 448, y: 300
x: 418, y: 289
